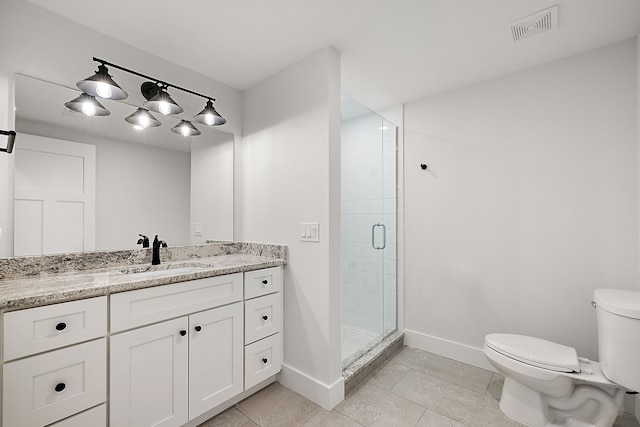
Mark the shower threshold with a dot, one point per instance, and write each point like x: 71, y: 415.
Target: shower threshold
x: 364, y: 365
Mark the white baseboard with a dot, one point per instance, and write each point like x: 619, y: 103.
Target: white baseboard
x: 450, y: 349
x: 327, y: 396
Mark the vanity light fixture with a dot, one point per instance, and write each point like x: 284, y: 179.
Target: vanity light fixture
x: 88, y: 105
x: 185, y: 128
x: 142, y: 119
x: 158, y: 99
x: 209, y: 116
x: 102, y: 85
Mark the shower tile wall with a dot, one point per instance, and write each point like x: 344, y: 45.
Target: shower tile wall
x: 368, y: 198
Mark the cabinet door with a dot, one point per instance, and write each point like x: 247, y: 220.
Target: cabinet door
x: 149, y: 376
x: 215, y: 357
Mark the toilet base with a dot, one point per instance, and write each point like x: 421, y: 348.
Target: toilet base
x: 524, y: 404
x: 533, y: 409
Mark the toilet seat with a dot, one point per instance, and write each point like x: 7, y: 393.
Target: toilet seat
x: 535, y: 351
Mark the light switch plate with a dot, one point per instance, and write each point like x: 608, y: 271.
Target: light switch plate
x: 309, y: 232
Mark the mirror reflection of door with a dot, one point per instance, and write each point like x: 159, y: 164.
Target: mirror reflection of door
x: 54, y: 203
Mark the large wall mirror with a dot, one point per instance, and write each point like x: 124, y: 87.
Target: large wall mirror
x: 148, y: 182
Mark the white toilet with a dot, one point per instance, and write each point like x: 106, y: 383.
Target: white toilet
x: 547, y: 384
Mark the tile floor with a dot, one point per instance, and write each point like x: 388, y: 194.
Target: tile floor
x: 413, y: 388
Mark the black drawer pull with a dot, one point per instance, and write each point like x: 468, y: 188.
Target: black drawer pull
x: 60, y: 387
x: 264, y: 360
x: 198, y: 328
x: 61, y: 326
x: 265, y: 282
x: 183, y: 332
x: 265, y: 317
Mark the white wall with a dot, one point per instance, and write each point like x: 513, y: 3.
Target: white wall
x: 38, y: 43
x: 291, y: 171
x: 530, y: 203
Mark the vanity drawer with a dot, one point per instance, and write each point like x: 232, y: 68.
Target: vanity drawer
x: 94, y: 417
x: 262, y: 359
x: 45, y: 388
x: 262, y: 282
x: 39, y: 329
x: 136, y: 308
x: 262, y: 317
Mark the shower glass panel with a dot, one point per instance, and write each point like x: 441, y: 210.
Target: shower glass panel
x: 368, y: 229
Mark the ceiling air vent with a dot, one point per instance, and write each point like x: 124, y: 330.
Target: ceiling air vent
x: 538, y: 23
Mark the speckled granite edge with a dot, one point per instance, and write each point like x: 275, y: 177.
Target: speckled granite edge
x: 357, y: 371
x: 64, y: 263
x: 26, y: 292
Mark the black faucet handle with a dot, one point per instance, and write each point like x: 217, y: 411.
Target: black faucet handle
x: 143, y: 240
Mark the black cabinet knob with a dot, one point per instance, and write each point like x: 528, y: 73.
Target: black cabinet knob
x: 265, y: 281
x: 198, y: 328
x: 59, y: 387
x: 183, y: 332
x: 61, y: 326
x: 265, y: 317
x: 264, y: 360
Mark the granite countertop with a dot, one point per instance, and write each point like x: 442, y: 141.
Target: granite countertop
x: 47, y: 287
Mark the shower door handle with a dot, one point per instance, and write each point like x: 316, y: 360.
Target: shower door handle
x: 384, y: 236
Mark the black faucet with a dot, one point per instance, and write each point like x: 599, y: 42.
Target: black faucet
x: 143, y: 240
x: 155, y: 259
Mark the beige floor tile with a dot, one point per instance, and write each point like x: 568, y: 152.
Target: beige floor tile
x: 626, y: 420
x: 495, y: 386
x: 455, y: 372
x: 434, y: 419
x: 229, y: 418
x: 372, y: 406
x: 387, y: 375
x: 278, y: 406
x: 330, y: 419
x: 461, y: 404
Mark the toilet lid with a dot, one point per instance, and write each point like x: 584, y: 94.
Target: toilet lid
x: 535, y: 351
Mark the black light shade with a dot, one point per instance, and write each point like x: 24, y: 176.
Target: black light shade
x: 102, y: 85
x: 162, y: 103
x: 209, y: 116
x: 142, y: 118
x: 185, y: 128
x: 87, y: 105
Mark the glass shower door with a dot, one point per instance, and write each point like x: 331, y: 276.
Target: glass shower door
x: 368, y: 231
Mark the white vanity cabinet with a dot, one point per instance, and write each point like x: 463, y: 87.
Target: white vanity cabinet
x: 263, y: 325
x: 177, y: 353
x: 169, y: 372
x: 54, y: 363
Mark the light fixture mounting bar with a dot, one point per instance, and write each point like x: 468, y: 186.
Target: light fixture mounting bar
x: 162, y: 82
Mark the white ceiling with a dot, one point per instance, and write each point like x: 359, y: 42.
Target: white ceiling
x: 392, y: 51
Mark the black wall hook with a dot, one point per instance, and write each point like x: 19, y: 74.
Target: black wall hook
x: 10, y: 141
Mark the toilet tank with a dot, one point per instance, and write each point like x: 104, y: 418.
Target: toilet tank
x: 618, y: 314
